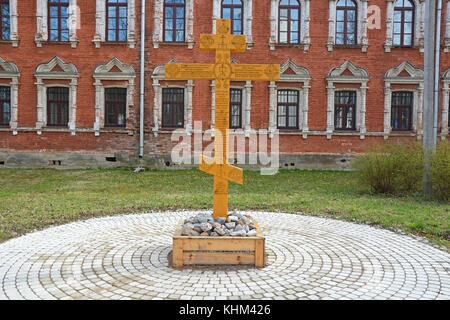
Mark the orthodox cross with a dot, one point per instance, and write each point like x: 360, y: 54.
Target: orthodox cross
x: 223, y: 43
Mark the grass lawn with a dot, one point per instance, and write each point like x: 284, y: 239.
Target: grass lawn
x: 35, y: 199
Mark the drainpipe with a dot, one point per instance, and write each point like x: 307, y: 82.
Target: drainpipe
x: 436, y: 71
x: 142, y: 78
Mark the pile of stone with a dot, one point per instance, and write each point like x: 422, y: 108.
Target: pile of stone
x: 235, y: 225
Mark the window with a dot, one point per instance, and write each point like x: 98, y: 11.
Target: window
x: 403, y: 23
x: 5, y: 105
x: 287, y: 109
x: 5, y: 20
x: 115, y: 107
x: 346, y: 22
x: 173, y: 107
x: 116, y: 15
x: 233, y: 10
x: 58, y: 20
x: 401, y: 111
x: 344, y: 110
x: 289, y: 21
x: 174, y: 20
x: 57, y: 106
x: 235, y: 108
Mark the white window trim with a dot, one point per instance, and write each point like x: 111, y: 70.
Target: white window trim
x: 247, y: 19
x: 158, y: 17
x: 445, y: 104
x: 42, y: 23
x: 301, y: 75
x: 103, y: 73
x: 361, y: 39
x: 416, y: 77
x: 305, y: 40
x: 9, y: 70
x: 100, y: 23
x: 447, y: 28
x: 44, y: 72
x: 359, y: 76
x: 419, y: 13
x: 13, y: 34
x: 157, y: 76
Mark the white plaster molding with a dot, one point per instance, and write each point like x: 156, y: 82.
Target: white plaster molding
x: 44, y: 71
x: 9, y: 70
x: 419, y: 25
x: 247, y: 18
x: 103, y: 73
x: 101, y: 23
x: 446, y: 41
x: 415, y: 76
x: 358, y: 75
x: 361, y: 33
x: 158, y: 21
x: 42, y: 35
x: 445, y: 104
x: 13, y: 27
x: 158, y: 75
x: 305, y: 40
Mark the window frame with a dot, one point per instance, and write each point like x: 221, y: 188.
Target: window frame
x: 287, y: 105
x: 116, y: 104
x: 355, y: 24
x: 239, y: 104
x: 3, y: 2
x: 117, y: 7
x: 232, y: 7
x: 60, y: 103
x: 345, y: 106
x: 172, y: 104
x: 399, y: 108
x: 290, y: 8
x: 2, y: 101
x: 59, y: 5
x: 174, y: 30
x: 403, y: 9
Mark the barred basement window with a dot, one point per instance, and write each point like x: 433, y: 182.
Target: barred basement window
x: 115, y: 107
x: 5, y: 20
x: 288, y: 105
x: 401, y: 111
x: 174, y: 20
x: 289, y: 22
x: 5, y: 105
x: 403, y: 23
x: 116, y: 17
x: 173, y: 107
x: 233, y: 10
x: 345, y: 110
x: 57, y: 106
x: 58, y: 20
x: 346, y: 22
x: 235, y: 108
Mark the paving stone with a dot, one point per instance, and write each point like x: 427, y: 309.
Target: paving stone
x: 125, y: 257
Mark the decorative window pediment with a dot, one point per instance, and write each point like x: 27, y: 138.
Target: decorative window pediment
x: 347, y: 73
x: 113, y: 70
x: 418, y: 27
x: 101, y: 23
x: 42, y: 33
x: 158, y: 29
x: 361, y: 25
x: 9, y: 70
x: 56, y: 69
x: 407, y: 74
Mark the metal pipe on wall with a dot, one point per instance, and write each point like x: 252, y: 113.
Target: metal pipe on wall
x: 142, y: 79
x: 436, y: 72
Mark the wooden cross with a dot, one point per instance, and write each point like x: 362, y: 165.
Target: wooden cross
x: 222, y: 72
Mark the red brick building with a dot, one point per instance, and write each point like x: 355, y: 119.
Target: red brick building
x: 352, y: 75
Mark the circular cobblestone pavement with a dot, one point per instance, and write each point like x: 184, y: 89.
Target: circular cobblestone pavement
x: 125, y: 257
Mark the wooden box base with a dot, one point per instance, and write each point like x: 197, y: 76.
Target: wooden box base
x: 191, y: 251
